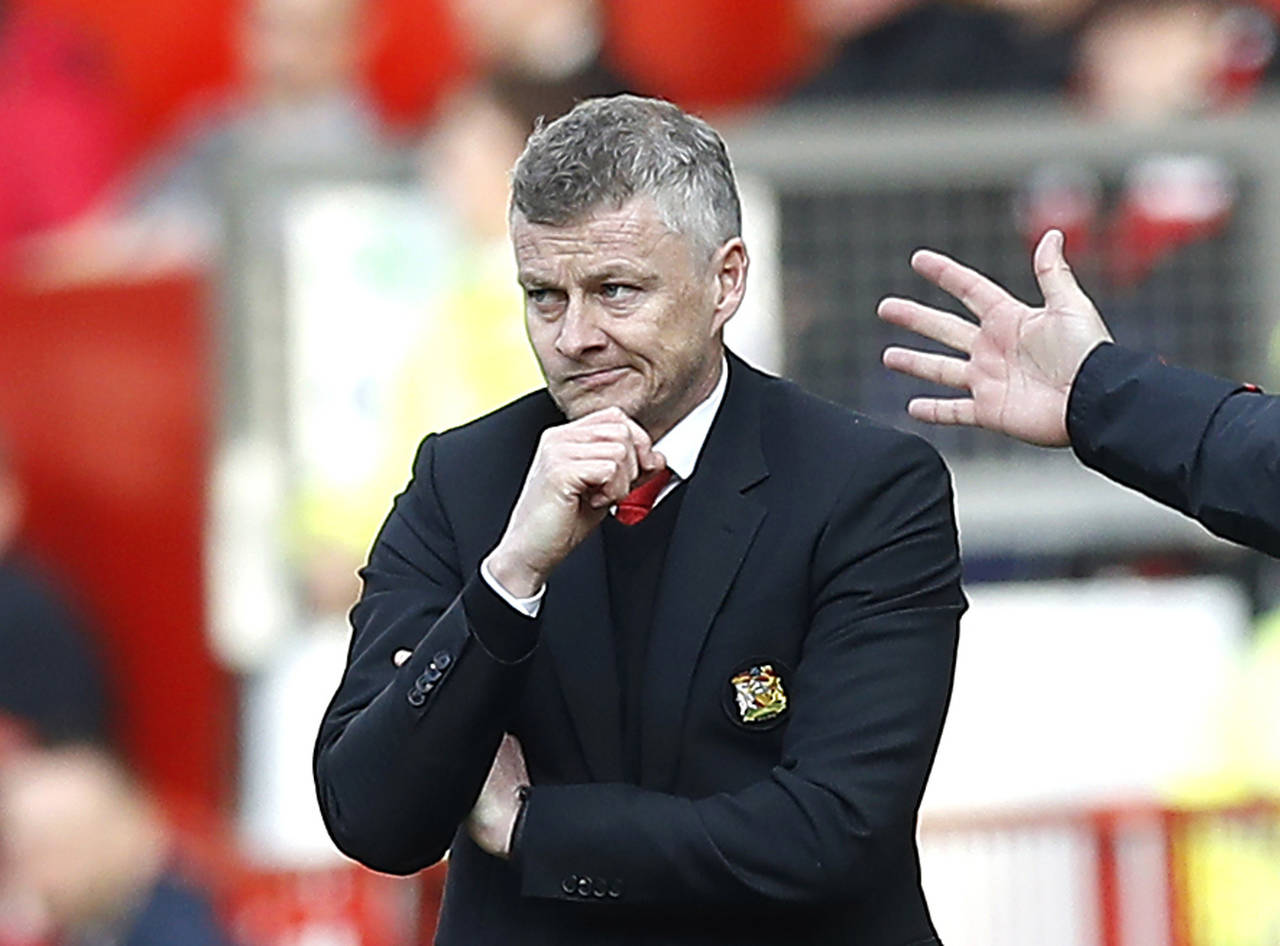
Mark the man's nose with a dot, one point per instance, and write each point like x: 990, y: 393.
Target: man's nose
x: 580, y: 331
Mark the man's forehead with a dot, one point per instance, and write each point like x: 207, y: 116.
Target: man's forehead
x: 633, y: 231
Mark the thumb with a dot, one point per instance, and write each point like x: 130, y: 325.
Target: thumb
x: 1057, y: 282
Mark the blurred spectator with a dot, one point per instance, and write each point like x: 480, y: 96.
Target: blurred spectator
x: 303, y: 105
x: 60, y: 136
x: 992, y: 46
x: 303, y: 109
x: 87, y: 859
x: 1149, y: 59
x: 539, y: 57
x: 1121, y: 59
x: 51, y: 683
x: 465, y: 163
x: 282, y: 705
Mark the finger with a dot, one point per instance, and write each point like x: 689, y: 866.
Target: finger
x: 610, y: 489
x: 938, y: 369
x: 646, y: 475
x: 603, y: 428
x: 946, y: 327
x: 946, y: 411
x: 1057, y: 282
x: 623, y: 454
x: 978, y: 293
x: 624, y: 476
x: 612, y: 423
x: 649, y: 459
x: 591, y: 475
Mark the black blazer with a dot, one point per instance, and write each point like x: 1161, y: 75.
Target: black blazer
x: 809, y: 539
x: 1208, y: 447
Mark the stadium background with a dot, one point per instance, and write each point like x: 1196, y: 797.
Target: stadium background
x: 253, y: 250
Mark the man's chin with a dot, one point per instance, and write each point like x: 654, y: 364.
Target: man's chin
x: 583, y: 404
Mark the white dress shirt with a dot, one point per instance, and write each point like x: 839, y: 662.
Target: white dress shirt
x: 681, y: 445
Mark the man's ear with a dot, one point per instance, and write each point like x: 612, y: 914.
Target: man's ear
x: 729, y: 266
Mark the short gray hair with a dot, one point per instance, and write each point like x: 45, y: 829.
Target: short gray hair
x: 605, y: 151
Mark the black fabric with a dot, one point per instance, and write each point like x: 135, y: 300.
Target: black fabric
x: 51, y: 677
x: 811, y: 537
x: 508, y: 635
x: 941, y: 48
x: 634, y: 556
x: 1206, y: 446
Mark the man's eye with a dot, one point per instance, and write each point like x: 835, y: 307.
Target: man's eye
x: 541, y: 297
x: 615, y: 290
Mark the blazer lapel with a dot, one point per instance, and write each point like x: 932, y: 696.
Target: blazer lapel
x: 714, y: 531
x: 577, y: 628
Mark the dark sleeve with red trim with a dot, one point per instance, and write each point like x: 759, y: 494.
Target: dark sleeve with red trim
x: 1208, y: 447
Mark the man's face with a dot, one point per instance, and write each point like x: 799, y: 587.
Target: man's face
x: 623, y: 312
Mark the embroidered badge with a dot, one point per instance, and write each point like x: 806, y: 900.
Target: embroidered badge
x: 759, y: 693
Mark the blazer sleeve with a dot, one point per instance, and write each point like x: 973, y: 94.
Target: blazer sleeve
x: 403, y: 751
x: 869, y: 696
x: 1208, y: 447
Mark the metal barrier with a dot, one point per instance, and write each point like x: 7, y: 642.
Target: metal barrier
x: 1128, y: 876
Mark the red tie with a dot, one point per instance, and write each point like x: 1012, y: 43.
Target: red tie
x: 637, y: 503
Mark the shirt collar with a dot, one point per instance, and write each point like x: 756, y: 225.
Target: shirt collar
x: 682, y: 444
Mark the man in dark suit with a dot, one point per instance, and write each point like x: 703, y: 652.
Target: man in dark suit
x: 723, y: 697
x: 1052, y: 376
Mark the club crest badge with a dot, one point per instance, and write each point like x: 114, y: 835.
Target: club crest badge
x: 758, y: 694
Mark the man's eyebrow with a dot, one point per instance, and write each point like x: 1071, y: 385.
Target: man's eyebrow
x: 620, y: 270
x: 531, y: 281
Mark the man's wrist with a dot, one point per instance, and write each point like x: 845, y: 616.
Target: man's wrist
x: 516, y: 578
x: 528, y: 605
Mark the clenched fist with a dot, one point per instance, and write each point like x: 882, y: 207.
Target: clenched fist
x: 580, y: 469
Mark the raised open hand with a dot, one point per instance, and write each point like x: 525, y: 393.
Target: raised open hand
x: 1021, y: 360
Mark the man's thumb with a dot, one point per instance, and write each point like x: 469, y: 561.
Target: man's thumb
x: 1057, y: 283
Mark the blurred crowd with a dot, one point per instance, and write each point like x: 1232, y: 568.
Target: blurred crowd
x: 85, y: 854
x: 84, y: 195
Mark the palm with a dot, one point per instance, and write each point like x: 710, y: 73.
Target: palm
x: 1021, y: 360
x: 1013, y: 390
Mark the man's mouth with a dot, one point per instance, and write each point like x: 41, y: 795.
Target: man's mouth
x: 598, y: 377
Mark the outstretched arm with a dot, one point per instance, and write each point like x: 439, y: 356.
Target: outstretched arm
x: 1203, y: 445
x: 1021, y: 360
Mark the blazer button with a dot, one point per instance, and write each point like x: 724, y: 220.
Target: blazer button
x: 570, y: 883
x: 429, y: 679
x: 442, y: 659
x: 615, y: 888
x: 600, y: 887
x: 416, y: 697
x: 584, y: 886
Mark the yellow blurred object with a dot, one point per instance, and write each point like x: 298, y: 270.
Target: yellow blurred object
x: 471, y: 358
x: 1230, y: 865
